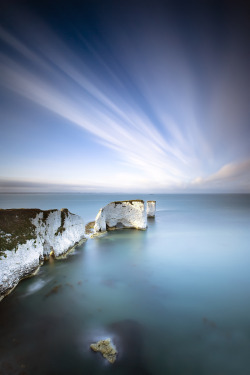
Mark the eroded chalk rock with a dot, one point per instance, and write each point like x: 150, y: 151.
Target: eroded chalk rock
x: 122, y: 214
x: 151, y: 208
x: 27, y: 236
x: 106, y: 348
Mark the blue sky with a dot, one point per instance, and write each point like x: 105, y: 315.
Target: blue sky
x: 124, y: 96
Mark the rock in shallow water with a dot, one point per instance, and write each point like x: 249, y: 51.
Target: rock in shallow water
x: 106, y: 349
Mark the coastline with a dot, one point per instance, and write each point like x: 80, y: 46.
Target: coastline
x: 29, y: 237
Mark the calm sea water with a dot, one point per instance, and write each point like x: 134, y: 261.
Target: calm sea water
x: 175, y: 299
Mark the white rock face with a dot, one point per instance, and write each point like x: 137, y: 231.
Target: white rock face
x: 72, y: 231
x: 19, y: 264
x: 122, y: 214
x: 59, y: 232
x: 151, y: 208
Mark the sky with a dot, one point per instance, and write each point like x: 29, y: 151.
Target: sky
x: 125, y: 96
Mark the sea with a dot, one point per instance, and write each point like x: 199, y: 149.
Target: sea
x: 174, y: 299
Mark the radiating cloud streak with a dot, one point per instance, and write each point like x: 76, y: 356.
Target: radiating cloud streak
x: 139, y: 143
x: 141, y: 101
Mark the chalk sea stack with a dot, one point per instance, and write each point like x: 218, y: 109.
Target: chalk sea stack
x: 122, y: 214
x: 151, y: 206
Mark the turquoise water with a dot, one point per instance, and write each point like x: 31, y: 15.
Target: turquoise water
x: 175, y: 299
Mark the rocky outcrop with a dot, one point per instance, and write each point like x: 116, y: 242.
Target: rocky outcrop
x: 151, y: 205
x: 27, y: 236
x: 106, y: 349
x: 121, y: 214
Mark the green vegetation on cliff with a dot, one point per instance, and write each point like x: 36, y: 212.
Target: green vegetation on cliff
x: 16, y: 227
x: 130, y: 201
x: 64, y: 214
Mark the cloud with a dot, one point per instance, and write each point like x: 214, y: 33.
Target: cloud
x: 233, y: 176
x: 232, y: 172
x: 15, y: 186
x: 136, y: 93
x: 121, y: 182
x: 115, y: 122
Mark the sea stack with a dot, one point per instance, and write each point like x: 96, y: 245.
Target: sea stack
x: 28, y: 236
x: 122, y: 214
x: 151, y: 208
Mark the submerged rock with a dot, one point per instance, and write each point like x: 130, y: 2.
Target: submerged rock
x: 106, y: 349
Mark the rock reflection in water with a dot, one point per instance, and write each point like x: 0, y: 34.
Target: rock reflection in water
x: 129, y: 340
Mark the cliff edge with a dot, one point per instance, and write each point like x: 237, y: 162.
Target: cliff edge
x: 28, y: 236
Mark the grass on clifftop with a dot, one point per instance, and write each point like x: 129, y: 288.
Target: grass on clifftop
x: 129, y: 201
x: 16, y: 227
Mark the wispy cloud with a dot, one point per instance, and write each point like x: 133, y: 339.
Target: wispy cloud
x: 114, y: 122
x: 141, y: 102
x: 231, y: 177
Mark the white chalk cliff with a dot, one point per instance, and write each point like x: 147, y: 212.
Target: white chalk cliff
x: 151, y: 205
x: 52, y: 231
x: 28, y: 236
x: 122, y: 214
